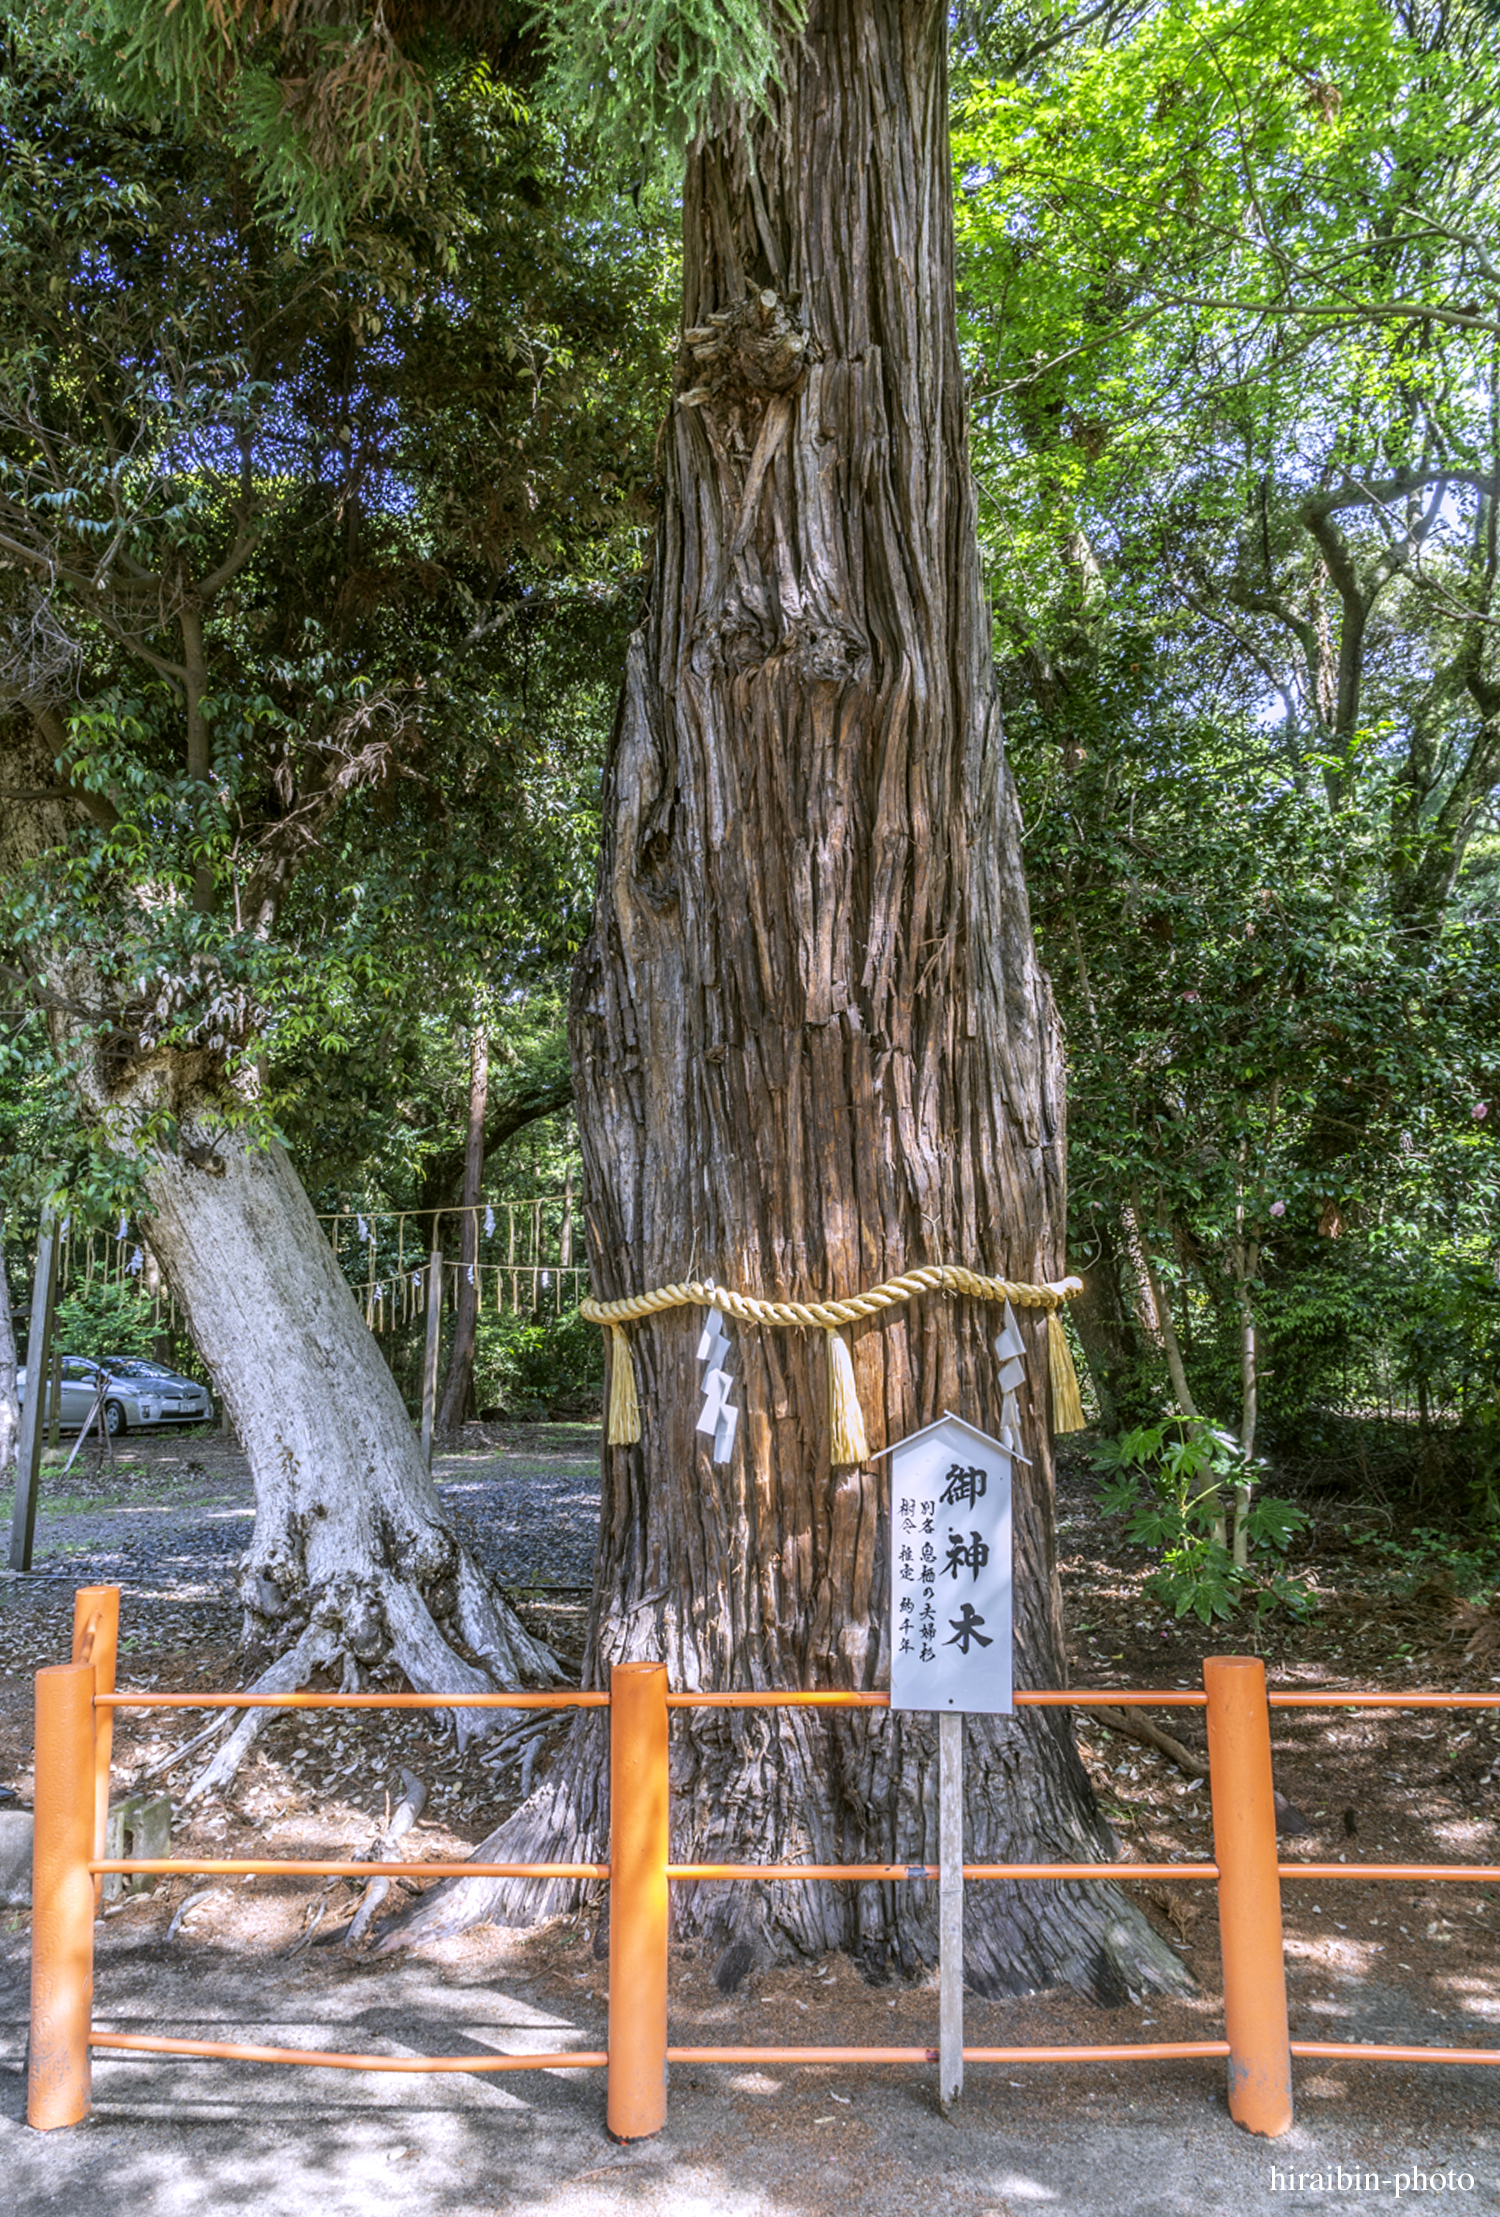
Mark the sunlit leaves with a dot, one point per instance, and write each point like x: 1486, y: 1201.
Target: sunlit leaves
x: 392, y: 501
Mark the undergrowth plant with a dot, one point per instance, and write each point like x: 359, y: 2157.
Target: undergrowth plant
x: 1187, y: 1490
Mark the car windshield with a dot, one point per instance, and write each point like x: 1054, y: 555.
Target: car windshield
x: 130, y: 1366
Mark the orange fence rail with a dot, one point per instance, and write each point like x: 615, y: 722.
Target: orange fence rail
x: 75, y: 1705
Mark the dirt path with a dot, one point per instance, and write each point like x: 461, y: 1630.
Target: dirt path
x: 1404, y: 1963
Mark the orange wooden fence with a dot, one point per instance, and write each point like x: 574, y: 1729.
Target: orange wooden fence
x: 75, y: 1705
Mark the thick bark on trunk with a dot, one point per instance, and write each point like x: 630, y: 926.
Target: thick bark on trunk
x: 813, y: 1046
x: 458, y: 1390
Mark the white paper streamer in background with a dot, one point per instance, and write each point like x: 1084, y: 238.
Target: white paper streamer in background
x: 364, y: 1229
x: 120, y: 1234
x: 489, y: 1223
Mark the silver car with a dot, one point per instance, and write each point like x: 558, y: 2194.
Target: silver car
x: 140, y: 1395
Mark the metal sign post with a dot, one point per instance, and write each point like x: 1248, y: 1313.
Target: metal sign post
x: 950, y: 1908
x: 951, y: 1647
x: 34, y: 1413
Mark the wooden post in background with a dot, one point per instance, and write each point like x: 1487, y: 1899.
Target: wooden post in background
x: 33, y: 1419
x: 432, y: 1351
x: 950, y: 1908
x: 54, y: 1397
x: 96, y: 1640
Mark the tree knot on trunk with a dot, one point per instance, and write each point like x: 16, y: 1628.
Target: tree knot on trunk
x: 202, y: 1158
x: 744, y: 352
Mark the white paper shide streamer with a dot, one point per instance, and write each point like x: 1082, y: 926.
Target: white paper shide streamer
x: 1011, y: 1349
x: 719, y: 1417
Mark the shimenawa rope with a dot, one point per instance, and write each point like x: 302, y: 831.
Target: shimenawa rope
x: 848, y: 1443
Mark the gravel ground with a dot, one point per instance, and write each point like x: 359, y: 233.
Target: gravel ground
x: 168, y: 1525
x: 1406, y: 1963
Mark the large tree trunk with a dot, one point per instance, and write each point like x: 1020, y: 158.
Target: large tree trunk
x: 346, y: 1511
x: 812, y: 1047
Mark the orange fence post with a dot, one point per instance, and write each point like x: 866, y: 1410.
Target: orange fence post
x: 96, y: 1640
x: 637, y: 2101
x: 62, y: 1896
x: 1239, y: 1762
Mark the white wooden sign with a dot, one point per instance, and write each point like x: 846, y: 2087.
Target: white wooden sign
x: 950, y: 1570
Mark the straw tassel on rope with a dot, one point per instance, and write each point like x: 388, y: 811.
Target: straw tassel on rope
x: 846, y: 1425
x: 1067, y: 1402
x: 624, y: 1409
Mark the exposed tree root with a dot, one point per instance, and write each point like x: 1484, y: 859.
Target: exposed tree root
x: 1134, y: 1724
x: 357, y: 1623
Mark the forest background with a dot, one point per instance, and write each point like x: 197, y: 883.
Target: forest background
x: 1232, y: 326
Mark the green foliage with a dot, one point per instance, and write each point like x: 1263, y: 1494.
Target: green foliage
x: 1230, y: 311
x: 315, y: 575
x: 105, y: 1319
x: 645, y: 78
x: 1169, y: 1480
x: 1470, y: 1564
x: 334, y: 111
x: 1231, y: 324
x: 46, y: 1151
x: 528, y: 1365
x: 328, y: 114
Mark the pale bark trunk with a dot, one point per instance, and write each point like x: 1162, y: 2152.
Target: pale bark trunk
x: 352, y: 1562
x: 812, y: 1046
x: 458, y: 1389
x: 1166, y: 1324
x: 1246, y: 1259
x: 10, y: 1405
x: 352, y: 1558
x: 1161, y: 1302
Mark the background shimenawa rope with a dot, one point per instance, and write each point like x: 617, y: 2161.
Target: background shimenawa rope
x: 848, y: 1442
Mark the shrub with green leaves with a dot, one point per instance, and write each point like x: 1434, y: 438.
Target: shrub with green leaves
x: 532, y: 1364
x: 1173, y: 1481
